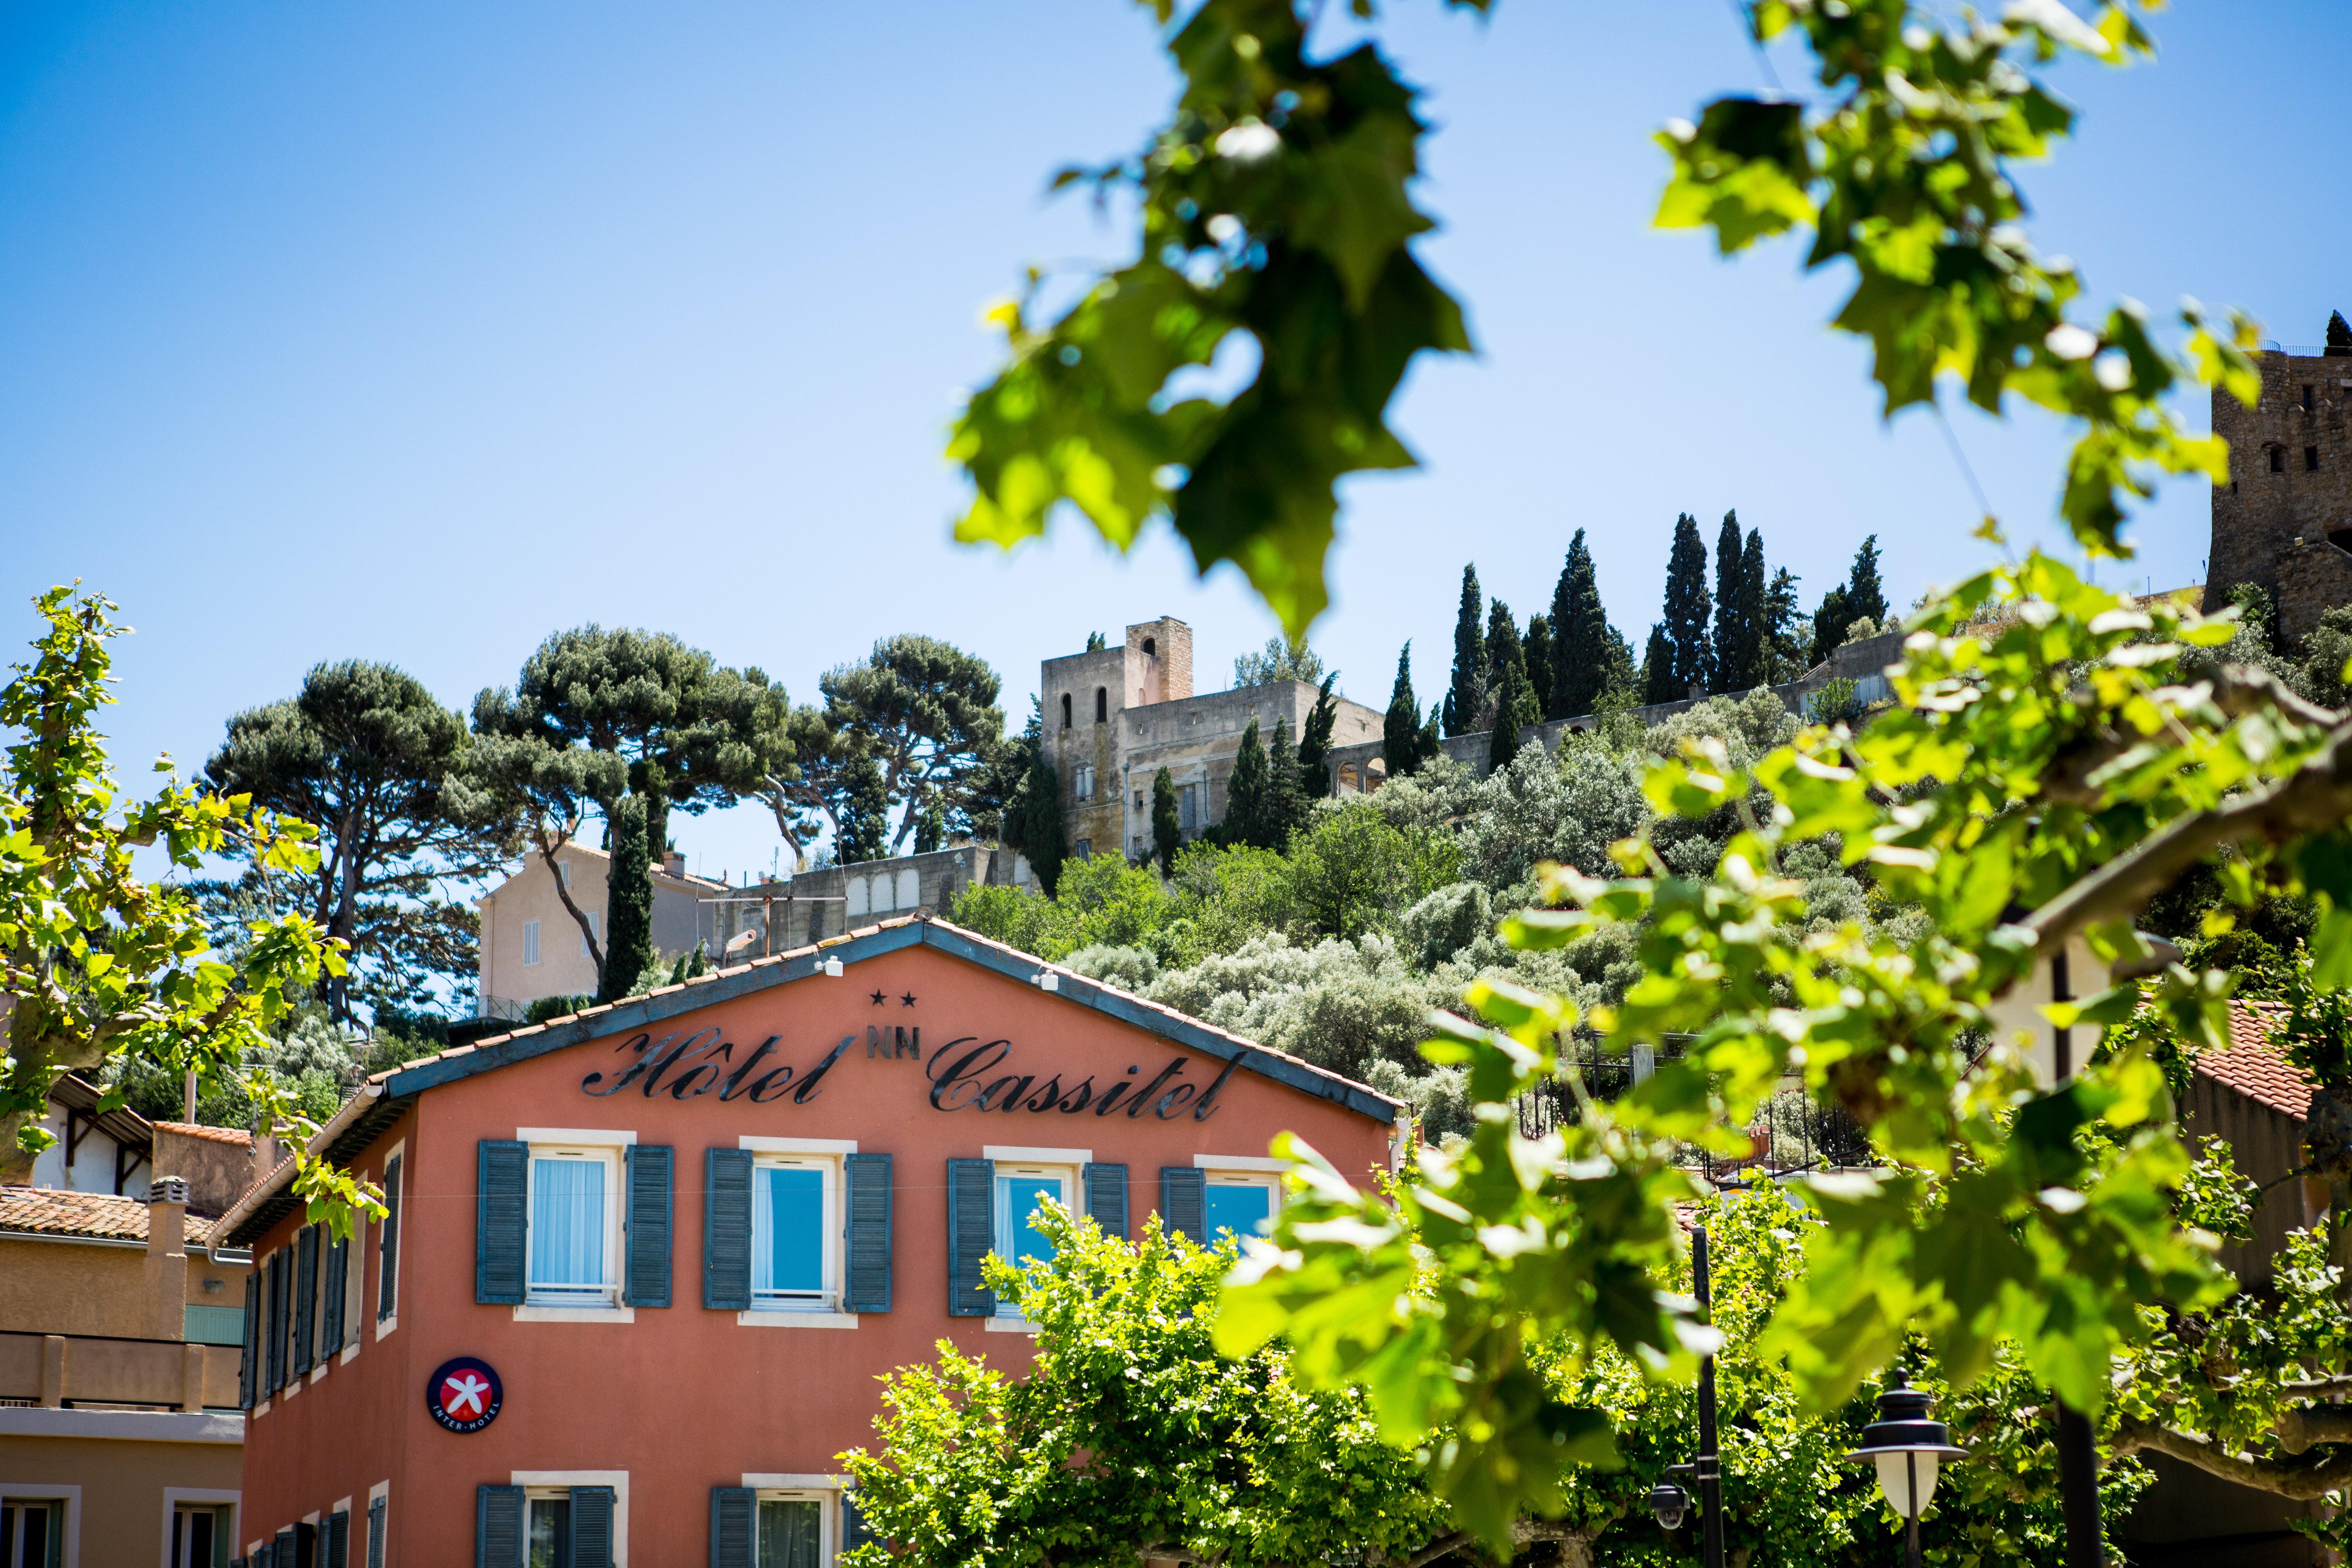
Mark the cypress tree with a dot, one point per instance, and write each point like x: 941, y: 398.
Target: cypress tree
x: 1167, y: 826
x: 1621, y: 685
x: 1315, y: 742
x: 1686, y: 610
x: 1863, y: 596
x: 1785, y: 638
x: 1401, y: 729
x: 1511, y: 696
x: 629, y: 902
x: 2339, y: 337
x: 1285, y: 805
x: 1830, y: 622
x: 864, y: 813
x: 1040, y: 815
x: 1580, y: 635
x: 1431, y: 743
x: 1502, y: 651
x: 1245, y: 791
x: 1537, y: 650
x: 1727, y: 670
x: 1658, y: 669
x: 1742, y: 619
x: 1466, y: 699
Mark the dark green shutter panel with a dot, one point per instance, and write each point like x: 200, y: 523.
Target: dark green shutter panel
x: 248, y: 1366
x: 972, y: 1232
x: 1106, y: 1194
x: 868, y: 1229
x: 1184, y: 1202
x: 388, y: 1251
x: 375, y: 1533
x: 727, y: 1229
x: 592, y: 1527
x: 276, y: 1319
x: 502, y: 1189
x: 647, y: 1282
x: 730, y: 1526
x: 282, y: 1555
x: 306, y: 1298
x: 498, y: 1527
x: 262, y: 1554
x: 330, y: 1327
x: 338, y: 1541
x: 853, y: 1523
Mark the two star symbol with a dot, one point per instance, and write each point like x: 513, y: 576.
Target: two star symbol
x: 905, y: 1000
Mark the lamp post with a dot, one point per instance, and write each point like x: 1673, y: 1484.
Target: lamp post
x: 1669, y: 1502
x: 1906, y: 1446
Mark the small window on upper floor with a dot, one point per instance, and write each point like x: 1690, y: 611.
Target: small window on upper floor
x: 2311, y: 460
x: 574, y: 1227
x: 564, y: 872
x: 529, y: 942
x: 1066, y: 710
x: 1083, y: 781
x: 2306, y: 400
x: 795, y: 1201
x: 2278, y: 465
x: 1151, y: 648
x: 1102, y: 704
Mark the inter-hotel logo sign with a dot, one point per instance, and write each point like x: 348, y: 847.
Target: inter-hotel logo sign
x: 704, y: 1063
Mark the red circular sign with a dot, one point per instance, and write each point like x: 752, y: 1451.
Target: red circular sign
x: 464, y: 1394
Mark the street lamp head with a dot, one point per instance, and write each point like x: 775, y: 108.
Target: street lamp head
x: 1906, y: 1446
x: 1669, y: 1502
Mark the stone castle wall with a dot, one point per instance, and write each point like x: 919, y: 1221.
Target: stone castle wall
x: 2283, y: 521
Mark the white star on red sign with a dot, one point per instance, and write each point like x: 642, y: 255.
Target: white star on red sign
x: 461, y: 1390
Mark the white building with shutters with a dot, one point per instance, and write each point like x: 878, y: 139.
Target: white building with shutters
x: 619, y: 1244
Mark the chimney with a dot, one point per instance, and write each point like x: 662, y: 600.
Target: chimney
x: 673, y: 862
x: 166, y: 1266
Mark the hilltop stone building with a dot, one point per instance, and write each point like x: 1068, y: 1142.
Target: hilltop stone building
x: 1115, y: 716
x: 2285, y: 520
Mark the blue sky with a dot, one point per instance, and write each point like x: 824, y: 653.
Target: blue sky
x: 415, y: 334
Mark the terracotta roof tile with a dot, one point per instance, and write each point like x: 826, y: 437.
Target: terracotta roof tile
x: 46, y: 1211
x: 2252, y: 1066
x: 243, y: 1139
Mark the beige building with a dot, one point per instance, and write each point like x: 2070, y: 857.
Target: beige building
x: 1115, y: 716
x: 530, y: 945
x: 121, y: 1344
x: 761, y: 919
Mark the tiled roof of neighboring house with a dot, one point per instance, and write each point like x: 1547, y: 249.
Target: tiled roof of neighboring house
x: 242, y: 1139
x: 2251, y: 1065
x: 47, y: 1210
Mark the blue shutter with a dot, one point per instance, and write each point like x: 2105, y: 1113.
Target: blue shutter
x: 868, y: 1229
x: 338, y: 1541
x: 730, y: 1526
x: 375, y: 1533
x: 1184, y: 1202
x: 502, y: 1191
x: 331, y: 1331
x: 498, y: 1527
x: 248, y: 1366
x: 387, y: 1296
x: 647, y: 1282
x: 727, y: 1229
x: 1106, y: 1198
x: 276, y: 1319
x: 282, y: 1555
x: 306, y: 1298
x: 853, y: 1533
x: 592, y: 1527
x: 972, y: 1233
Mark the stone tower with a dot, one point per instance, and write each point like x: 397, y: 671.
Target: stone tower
x: 2285, y: 520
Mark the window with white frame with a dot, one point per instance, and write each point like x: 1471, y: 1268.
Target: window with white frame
x: 32, y: 1531
x: 792, y: 1529
x: 1020, y: 1188
x: 529, y: 943
x: 575, y: 1227
x: 547, y: 1527
x: 1242, y: 1202
x: 795, y: 1218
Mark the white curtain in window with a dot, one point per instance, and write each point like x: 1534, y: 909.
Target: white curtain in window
x: 791, y: 1533
x: 567, y: 1223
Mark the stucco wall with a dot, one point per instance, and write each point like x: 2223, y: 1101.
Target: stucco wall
x: 684, y: 1399
x: 124, y: 1516
x: 564, y: 969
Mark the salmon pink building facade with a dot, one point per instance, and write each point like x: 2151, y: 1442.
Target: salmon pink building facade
x: 644, y: 1267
